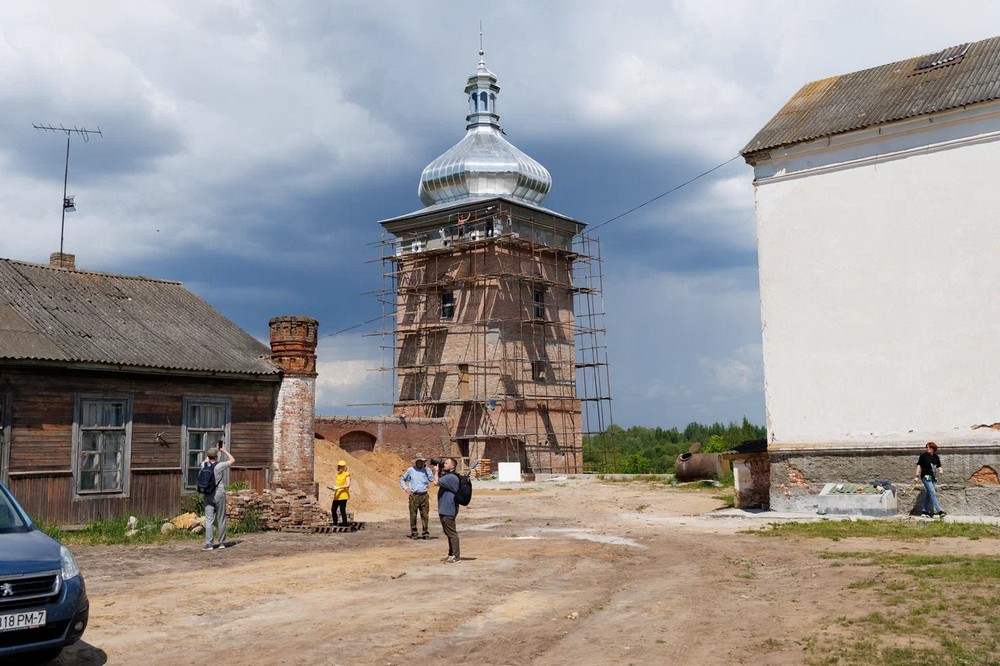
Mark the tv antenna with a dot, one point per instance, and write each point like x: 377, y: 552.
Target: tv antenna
x: 68, y: 203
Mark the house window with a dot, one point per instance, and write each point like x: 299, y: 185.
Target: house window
x: 206, y: 421
x: 538, y: 302
x: 538, y: 371
x: 103, y: 438
x: 447, y: 304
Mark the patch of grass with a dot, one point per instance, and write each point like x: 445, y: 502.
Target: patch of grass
x: 634, y: 478
x: 641, y: 508
x: 114, y: 532
x: 924, y: 609
x: 250, y: 523
x: 728, y: 499
x: 879, y: 529
x: 744, y: 567
x: 54, y: 530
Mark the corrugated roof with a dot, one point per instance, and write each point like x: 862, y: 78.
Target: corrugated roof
x: 949, y: 79
x: 52, y: 314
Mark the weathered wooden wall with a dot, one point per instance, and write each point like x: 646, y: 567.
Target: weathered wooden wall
x: 41, y: 438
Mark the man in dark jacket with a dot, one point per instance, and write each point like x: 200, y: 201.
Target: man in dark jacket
x: 447, y: 483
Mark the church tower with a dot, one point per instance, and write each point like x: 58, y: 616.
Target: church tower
x: 483, y: 288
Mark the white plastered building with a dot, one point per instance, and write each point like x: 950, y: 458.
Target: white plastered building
x: 878, y: 224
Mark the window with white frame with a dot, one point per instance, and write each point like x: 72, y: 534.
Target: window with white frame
x: 206, y: 422
x: 103, y: 437
x: 447, y: 304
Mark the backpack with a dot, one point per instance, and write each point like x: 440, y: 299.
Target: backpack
x: 206, y: 479
x: 464, y: 494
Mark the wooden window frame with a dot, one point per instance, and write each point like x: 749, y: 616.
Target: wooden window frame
x: 538, y: 302
x: 539, y: 371
x: 187, y: 402
x: 78, y: 400
x: 448, y: 308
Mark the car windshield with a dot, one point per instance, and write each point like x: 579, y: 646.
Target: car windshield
x: 11, y: 519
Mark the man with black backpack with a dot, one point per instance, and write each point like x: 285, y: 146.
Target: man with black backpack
x: 213, y: 489
x: 449, y: 489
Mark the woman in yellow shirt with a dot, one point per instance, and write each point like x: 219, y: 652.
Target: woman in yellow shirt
x: 341, y: 492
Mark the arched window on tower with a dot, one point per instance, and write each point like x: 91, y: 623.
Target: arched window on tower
x: 473, y: 103
x: 483, y: 98
x: 493, y: 103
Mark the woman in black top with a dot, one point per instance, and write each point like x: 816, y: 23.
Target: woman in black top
x: 928, y: 466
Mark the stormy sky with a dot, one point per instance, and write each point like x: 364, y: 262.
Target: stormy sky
x: 250, y: 148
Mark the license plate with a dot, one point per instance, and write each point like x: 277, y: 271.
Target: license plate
x: 28, y: 620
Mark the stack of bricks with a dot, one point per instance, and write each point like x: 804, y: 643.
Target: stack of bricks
x: 483, y: 469
x: 277, y: 508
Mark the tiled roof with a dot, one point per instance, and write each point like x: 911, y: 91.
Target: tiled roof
x: 51, y: 314
x: 952, y: 78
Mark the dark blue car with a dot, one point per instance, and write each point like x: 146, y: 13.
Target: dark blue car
x: 43, y: 601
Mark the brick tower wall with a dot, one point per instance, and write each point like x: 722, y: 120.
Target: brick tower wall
x: 293, y: 347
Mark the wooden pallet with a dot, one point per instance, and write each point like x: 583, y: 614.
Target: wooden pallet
x: 324, y: 529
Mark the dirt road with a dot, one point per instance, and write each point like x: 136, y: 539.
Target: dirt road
x: 575, y: 572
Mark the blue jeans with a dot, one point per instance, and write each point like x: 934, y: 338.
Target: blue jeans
x: 930, y: 495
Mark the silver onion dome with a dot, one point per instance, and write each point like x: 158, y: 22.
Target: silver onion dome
x: 483, y: 164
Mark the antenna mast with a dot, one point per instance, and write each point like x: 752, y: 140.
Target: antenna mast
x: 68, y: 204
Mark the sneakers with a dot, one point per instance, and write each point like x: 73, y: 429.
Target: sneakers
x: 451, y: 559
x: 924, y: 514
x: 413, y: 535
x: 221, y: 546
x: 427, y: 535
x: 208, y: 546
x: 942, y: 514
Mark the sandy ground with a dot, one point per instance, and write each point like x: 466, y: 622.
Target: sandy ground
x: 574, y: 572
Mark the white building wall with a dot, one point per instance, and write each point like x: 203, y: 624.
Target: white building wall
x: 880, y: 285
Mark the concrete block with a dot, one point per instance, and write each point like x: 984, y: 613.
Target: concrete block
x: 856, y: 504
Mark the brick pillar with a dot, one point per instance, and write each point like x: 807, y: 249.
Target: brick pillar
x: 293, y: 348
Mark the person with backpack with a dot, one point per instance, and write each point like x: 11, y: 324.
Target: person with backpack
x: 212, y: 487
x: 449, y: 485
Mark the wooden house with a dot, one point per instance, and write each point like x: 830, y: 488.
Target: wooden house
x: 112, y: 387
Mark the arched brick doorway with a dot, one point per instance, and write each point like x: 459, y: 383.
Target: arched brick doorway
x: 357, y: 441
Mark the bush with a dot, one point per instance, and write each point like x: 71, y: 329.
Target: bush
x: 194, y: 503
x: 250, y: 522
x: 236, y: 486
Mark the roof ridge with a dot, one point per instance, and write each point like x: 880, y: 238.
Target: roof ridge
x: 86, y: 272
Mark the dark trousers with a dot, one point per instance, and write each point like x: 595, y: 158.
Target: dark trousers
x: 450, y: 531
x: 419, y: 503
x: 342, y: 505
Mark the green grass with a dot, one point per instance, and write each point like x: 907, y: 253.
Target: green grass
x: 879, y: 529
x: 634, y: 478
x: 113, y: 531
x: 916, y: 609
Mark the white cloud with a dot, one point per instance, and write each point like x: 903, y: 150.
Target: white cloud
x: 347, y: 375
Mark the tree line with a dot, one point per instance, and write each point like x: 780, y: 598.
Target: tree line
x: 641, y: 450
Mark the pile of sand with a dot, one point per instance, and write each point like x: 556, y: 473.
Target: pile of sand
x: 375, y: 491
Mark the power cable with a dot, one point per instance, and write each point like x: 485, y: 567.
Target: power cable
x: 590, y: 230
x: 660, y: 196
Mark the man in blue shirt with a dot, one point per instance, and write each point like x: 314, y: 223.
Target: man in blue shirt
x: 448, y: 506
x: 418, y: 478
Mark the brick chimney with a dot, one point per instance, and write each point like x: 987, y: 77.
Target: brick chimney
x: 62, y: 260
x: 293, y: 348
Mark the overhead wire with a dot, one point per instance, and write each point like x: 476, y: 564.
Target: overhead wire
x: 589, y: 230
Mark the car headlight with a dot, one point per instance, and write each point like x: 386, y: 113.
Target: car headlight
x: 70, y: 569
